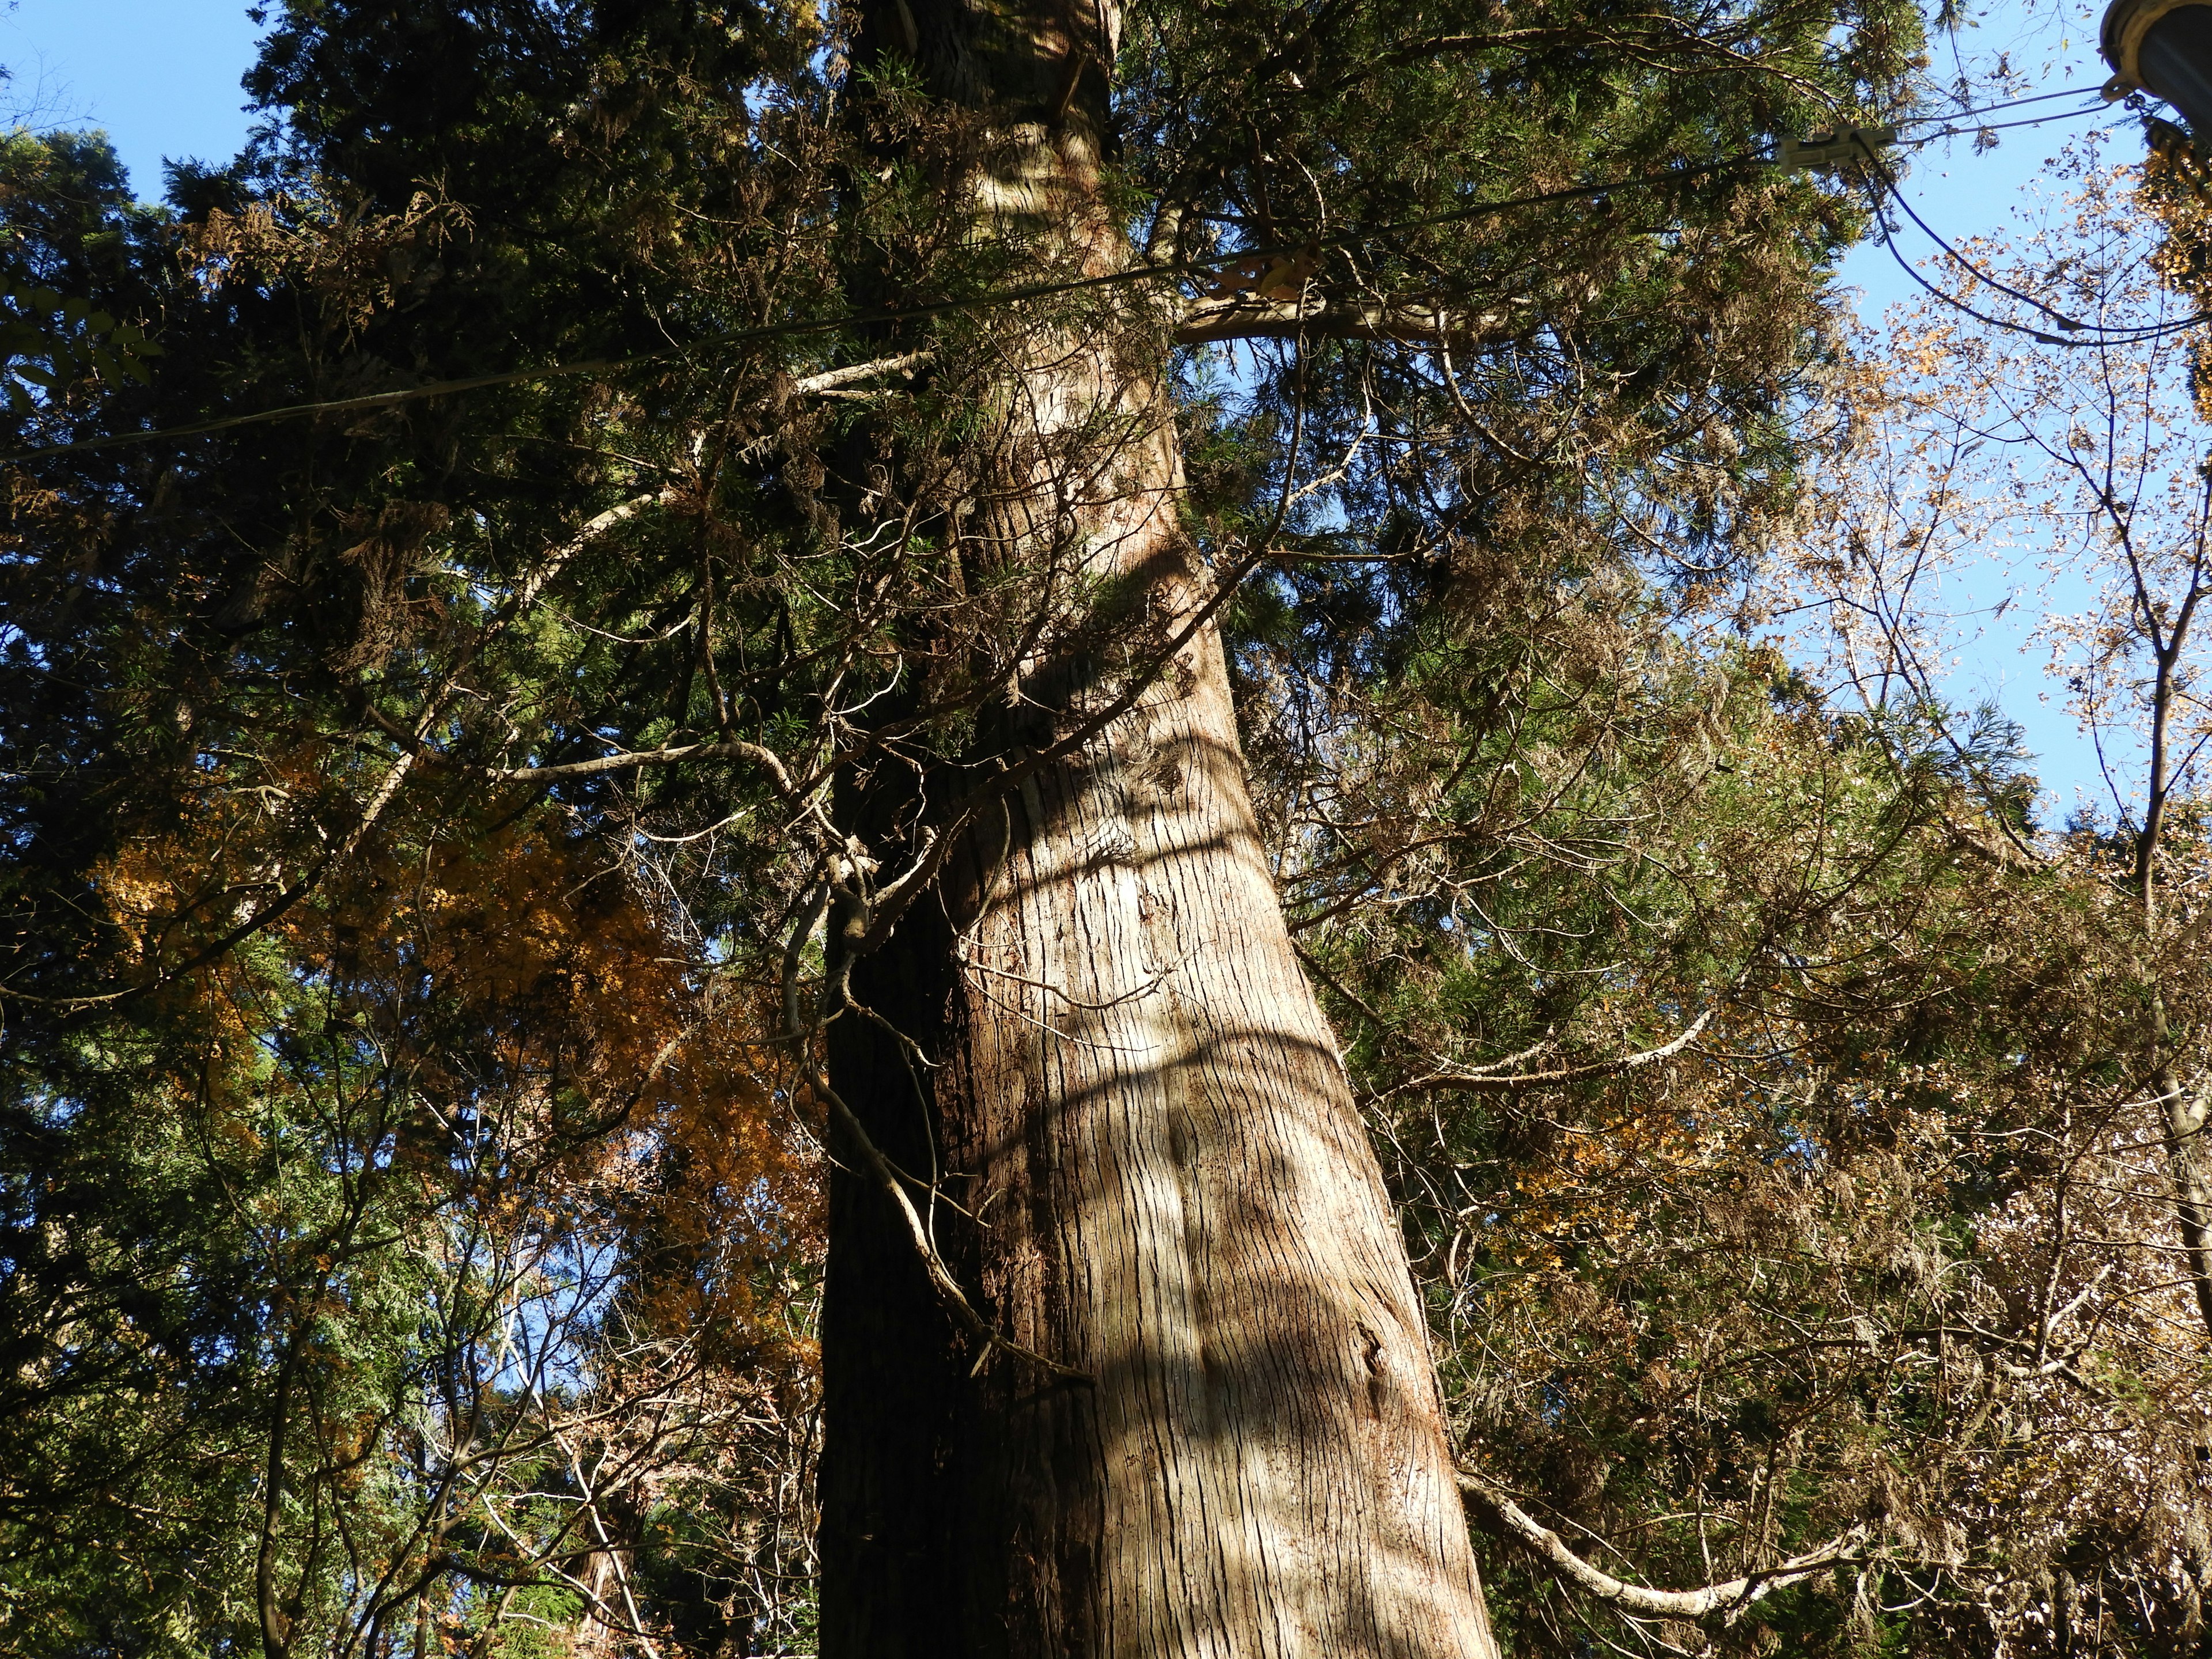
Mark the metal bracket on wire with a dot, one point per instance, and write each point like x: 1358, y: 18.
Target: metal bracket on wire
x: 1829, y: 149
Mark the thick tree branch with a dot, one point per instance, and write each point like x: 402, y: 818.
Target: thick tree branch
x: 1478, y: 1079
x: 830, y: 378
x: 1247, y: 317
x: 630, y: 758
x: 1726, y: 1600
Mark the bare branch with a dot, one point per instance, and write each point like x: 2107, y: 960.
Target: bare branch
x: 1243, y: 317
x: 1727, y: 1600
x: 830, y: 378
x: 1476, y: 1080
x: 628, y: 759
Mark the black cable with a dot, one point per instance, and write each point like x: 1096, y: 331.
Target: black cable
x: 1138, y: 274
x: 2098, y: 334
x: 1889, y: 241
x: 1897, y: 195
x: 889, y: 315
x: 2098, y: 108
x: 1992, y: 109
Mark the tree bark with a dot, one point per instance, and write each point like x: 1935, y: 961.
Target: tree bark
x: 1093, y: 1052
x: 2189, y: 1154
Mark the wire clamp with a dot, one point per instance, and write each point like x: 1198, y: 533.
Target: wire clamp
x: 1835, y: 149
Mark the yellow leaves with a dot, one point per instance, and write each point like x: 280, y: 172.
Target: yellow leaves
x: 1925, y: 352
x: 134, y: 891
x: 494, y: 1030
x: 564, y: 1010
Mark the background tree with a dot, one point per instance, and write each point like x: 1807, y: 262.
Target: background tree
x: 2087, y: 459
x: 942, y: 634
x: 417, y: 1257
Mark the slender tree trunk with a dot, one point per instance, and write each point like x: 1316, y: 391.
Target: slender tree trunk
x: 2185, y: 1110
x: 2189, y: 1154
x: 1095, y: 1039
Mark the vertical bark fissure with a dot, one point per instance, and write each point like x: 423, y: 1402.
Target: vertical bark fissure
x: 1133, y: 1091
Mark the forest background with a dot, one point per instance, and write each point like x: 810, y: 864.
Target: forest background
x: 1792, y: 1108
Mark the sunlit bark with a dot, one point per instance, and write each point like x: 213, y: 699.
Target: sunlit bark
x: 1094, y: 1038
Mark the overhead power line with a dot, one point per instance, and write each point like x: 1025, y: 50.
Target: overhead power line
x: 803, y: 328
x: 1997, y: 109
x: 886, y: 316
x: 2079, y: 333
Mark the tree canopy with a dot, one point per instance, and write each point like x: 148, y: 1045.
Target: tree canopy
x: 446, y: 824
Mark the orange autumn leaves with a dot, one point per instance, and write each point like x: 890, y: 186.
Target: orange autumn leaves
x: 550, y: 1052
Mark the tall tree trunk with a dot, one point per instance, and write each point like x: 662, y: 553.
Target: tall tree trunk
x: 1095, y: 1038
x: 2188, y: 1121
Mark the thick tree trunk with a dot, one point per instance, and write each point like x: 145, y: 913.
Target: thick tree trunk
x: 1148, y: 1164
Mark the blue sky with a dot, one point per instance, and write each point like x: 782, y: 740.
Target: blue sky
x: 161, y: 77
x: 1960, y: 194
